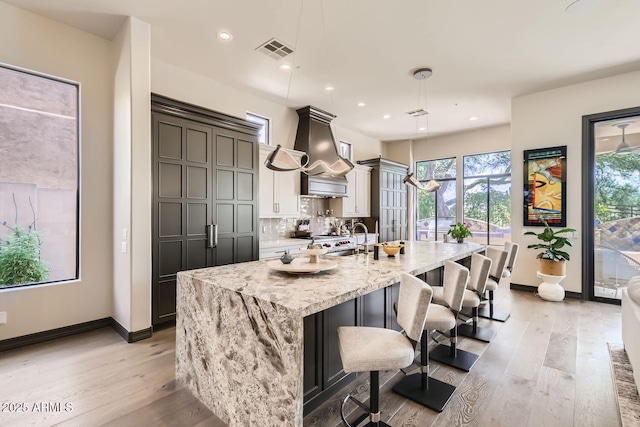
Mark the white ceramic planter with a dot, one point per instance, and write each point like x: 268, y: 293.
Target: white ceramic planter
x: 550, y: 288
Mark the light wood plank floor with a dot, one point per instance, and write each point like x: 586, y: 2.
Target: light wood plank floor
x: 547, y: 366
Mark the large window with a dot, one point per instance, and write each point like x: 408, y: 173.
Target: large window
x: 487, y: 197
x: 38, y: 179
x: 436, y: 211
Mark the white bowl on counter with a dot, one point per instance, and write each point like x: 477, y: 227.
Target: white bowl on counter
x: 313, y: 253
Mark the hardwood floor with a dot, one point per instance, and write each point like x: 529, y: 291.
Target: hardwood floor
x: 547, y: 366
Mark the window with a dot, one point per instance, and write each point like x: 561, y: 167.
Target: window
x: 39, y: 147
x: 436, y: 211
x: 487, y: 197
x: 345, y: 150
x: 264, y: 134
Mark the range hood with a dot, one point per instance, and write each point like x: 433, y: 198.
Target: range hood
x: 315, y: 138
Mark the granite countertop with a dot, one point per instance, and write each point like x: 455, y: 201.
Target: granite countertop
x: 354, y: 276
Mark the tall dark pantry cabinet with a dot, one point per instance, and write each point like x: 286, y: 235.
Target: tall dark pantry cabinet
x: 388, y: 198
x: 205, y: 195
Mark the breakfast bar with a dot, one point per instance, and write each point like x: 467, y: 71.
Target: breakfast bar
x: 240, y: 334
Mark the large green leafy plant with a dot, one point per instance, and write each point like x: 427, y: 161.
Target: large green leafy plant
x: 20, y: 258
x: 552, y: 243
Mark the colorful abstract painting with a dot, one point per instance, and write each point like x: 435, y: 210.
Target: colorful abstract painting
x: 545, y: 186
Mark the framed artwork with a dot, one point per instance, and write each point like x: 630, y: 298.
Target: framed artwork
x: 545, y: 186
x: 345, y: 150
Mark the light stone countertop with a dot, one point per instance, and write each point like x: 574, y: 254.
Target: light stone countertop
x: 240, y: 327
x: 354, y: 276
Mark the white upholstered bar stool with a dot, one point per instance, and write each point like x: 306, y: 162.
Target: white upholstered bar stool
x: 378, y: 349
x: 452, y: 295
x: 498, y: 261
x: 420, y: 388
x: 479, y: 273
x: 513, y: 249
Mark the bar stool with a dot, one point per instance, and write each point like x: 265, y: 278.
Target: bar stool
x: 513, y: 249
x: 420, y: 388
x: 479, y: 273
x: 378, y: 349
x: 498, y: 261
x: 454, y: 300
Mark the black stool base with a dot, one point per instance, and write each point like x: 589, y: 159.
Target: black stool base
x: 435, y: 397
x: 482, y: 334
x: 497, y: 315
x: 363, y: 421
x: 463, y: 359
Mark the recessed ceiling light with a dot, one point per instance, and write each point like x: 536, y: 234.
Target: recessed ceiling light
x: 605, y: 139
x: 284, y: 67
x: 224, y: 36
x: 422, y: 128
x: 473, y: 118
x: 361, y: 104
x: 386, y: 116
x: 329, y: 88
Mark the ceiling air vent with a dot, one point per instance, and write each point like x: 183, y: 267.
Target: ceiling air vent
x: 417, y: 113
x: 275, y: 49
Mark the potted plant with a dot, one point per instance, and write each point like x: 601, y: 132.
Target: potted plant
x: 552, y: 258
x: 459, y: 231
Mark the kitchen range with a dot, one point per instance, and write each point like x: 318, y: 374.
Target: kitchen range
x: 332, y: 243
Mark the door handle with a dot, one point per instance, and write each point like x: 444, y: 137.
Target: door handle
x: 212, y: 235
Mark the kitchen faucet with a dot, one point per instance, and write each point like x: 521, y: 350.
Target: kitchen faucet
x: 366, y: 232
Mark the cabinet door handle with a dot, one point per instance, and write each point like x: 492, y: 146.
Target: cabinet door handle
x: 212, y: 235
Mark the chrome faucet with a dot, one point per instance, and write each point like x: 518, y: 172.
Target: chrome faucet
x: 366, y: 232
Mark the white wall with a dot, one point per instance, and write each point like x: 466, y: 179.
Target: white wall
x: 36, y: 43
x: 551, y: 118
x: 132, y: 185
x: 181, y: 84
x: 484, y: 140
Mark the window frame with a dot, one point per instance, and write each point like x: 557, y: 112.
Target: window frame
x: 261, y: 120
x: 78, y: 192
x: 488, y: 178
x: 453, y: 179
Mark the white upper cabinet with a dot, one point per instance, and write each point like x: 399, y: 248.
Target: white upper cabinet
x: 279, y: 191
x: 358, y: 200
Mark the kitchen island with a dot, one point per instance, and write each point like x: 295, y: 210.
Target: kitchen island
x: 240, y: 334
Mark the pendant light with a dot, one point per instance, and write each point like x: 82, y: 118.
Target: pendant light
x: 282, y: 161
x: 410, y: 179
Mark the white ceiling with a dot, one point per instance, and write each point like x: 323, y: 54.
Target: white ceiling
x: 483, y: 53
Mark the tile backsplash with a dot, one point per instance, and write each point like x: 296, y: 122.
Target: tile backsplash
x: 315, y: 209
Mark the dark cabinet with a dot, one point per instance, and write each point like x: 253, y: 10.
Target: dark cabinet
x: 388, y: 198
x: 345, y: 314
x: 205, y: 187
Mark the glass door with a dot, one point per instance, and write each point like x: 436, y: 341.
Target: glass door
x: 616, y: 251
